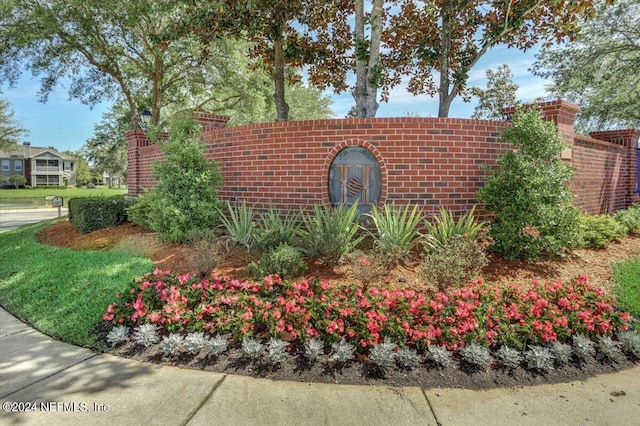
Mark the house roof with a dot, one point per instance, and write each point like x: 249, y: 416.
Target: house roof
x: 18, y: 152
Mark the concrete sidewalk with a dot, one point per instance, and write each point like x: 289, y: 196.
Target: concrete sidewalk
x: 44, y: 381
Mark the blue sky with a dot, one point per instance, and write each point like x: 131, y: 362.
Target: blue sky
x: 65, y: 124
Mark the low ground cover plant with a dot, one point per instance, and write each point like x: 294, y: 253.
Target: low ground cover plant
x: 629, y: 219
x: 477, y: 317
x: 599, y: 230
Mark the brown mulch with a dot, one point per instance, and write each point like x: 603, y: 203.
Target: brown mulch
x: 500, y: 272
x: 596, y: 264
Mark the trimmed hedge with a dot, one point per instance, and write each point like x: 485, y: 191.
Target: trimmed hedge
x: 91, y: 214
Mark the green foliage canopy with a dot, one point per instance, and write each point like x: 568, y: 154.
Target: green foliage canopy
x: 529, y: 192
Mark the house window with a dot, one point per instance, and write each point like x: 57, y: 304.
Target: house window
x: 68, y: 166
x: 47, y: 180
x: 47, y: 164
x: 17, y: 165
x: 5, y: 165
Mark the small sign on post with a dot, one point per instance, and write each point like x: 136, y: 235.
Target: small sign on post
x: 58, y: 202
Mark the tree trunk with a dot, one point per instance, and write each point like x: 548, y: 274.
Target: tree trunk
x: 365, y: 92
x: 445, y: 47
x: 282, y: 108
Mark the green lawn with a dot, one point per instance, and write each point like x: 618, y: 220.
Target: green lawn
x: 59, y: 291
x: 627, y: 288
x: 100, y: 191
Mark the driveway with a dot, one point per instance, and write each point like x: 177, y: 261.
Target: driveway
x: 11, y: 219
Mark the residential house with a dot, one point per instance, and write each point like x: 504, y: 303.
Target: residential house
x: 40, y: 166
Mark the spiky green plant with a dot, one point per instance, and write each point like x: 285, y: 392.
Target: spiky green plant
x: 396, y: 232
x: 239, y: 224
x: 330, y: 233
x: 445, y: 226
x: 274, y: 230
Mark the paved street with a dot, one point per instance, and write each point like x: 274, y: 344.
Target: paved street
x: 11, y: 219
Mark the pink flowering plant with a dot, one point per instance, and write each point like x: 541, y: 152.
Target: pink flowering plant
x: 300, y: 310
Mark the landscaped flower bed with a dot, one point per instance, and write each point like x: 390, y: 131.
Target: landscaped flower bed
x: 470, y: 320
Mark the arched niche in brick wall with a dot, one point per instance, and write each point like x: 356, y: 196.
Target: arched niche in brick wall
x: 355, y: 172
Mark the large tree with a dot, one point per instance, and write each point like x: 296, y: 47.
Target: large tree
x: 600, y: 71
x: 106, y: 150
x: 271, y: 26
x: 444, y: 39
x: 112, y: 50
x: 499, y: 94
x: 345, y: 38
x: 10, y: 128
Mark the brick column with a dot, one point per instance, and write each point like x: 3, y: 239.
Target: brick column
x: 211, y: 121
x: 630, y: 139
x: 135, y: 139
x: 563, y: 114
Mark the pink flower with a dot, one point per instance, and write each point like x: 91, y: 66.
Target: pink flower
x: 247, y: 315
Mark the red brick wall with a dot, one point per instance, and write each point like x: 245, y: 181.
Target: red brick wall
x: 425, y: 161
x: 605, y: 170
x: 430, y: 162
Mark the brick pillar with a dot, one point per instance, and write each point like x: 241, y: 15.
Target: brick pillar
x: 563, y: 114
x: 210, y: 121
x: 630, y: 139
x: 135, y: 139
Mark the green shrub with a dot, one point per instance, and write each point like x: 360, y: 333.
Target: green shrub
x: 529, y: 192
x: 185, y: 198
x: 91, y: 214
x: 274, y: 230
x: 283, y: 260
x: 597, y: 231
x: 396, y: 231
x: 330, y: 233
x: 445, y: 227
x: 455, y: 263
x: 239, y: 224
x: 629, y: 219
x: 140, y: 207
x: 17, y: 180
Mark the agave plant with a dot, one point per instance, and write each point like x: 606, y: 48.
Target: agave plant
x: 239, y: 224
x: 396, y: 232
x: 275, y: 230
x: 445, y: 226
x: 330, y: 233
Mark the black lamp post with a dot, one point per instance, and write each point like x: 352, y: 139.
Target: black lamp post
x: 145, y: 117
